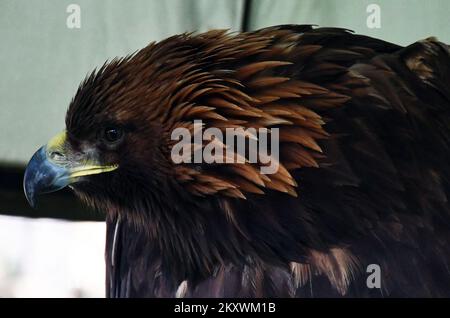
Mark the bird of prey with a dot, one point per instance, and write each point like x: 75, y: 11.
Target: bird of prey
x: 363, y: 178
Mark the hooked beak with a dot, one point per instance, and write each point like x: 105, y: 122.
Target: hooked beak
x: 55, y: 166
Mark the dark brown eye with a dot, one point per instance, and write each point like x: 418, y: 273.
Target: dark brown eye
x: 113, y: 134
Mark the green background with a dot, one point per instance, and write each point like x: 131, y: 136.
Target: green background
x: 42, y: 60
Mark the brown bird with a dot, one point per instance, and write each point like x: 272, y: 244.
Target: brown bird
x: 362, y: 182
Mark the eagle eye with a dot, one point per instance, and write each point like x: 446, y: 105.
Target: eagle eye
x: 112, y: 134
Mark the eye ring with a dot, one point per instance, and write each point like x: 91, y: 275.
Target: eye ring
x: 112, y: 134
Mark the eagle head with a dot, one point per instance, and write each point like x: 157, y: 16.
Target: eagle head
x: 116, y: 148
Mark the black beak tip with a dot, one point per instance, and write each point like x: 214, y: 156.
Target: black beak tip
x: 31, y: 201
x: 32, y: 176
x: 28, y: 189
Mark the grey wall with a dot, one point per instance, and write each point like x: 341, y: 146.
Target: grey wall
x: 42, y: 61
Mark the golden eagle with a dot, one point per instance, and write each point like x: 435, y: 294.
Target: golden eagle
x: 363, y: 175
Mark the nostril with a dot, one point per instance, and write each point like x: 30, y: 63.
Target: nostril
x: 56, y: 155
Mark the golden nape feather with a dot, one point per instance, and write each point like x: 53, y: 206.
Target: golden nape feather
x: 246, y: 81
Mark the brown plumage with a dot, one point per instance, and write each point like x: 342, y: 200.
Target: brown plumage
x: 364, y: 130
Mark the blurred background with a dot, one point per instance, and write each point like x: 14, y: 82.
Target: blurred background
x: 47, y: 48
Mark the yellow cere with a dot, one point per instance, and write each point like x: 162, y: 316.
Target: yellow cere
x: 57, y: 142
